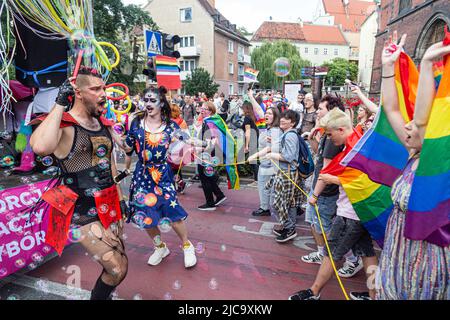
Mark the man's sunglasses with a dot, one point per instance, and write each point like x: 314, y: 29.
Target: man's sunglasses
x: 152, y: 100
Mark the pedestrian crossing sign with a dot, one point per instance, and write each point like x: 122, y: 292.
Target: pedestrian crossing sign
x: 153, y: 43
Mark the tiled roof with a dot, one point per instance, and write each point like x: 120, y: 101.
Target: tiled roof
x: 354, y: 18
x: 221, y: 22
x: 323, y: 34
x: 309, y: 33
x: 270, y: 30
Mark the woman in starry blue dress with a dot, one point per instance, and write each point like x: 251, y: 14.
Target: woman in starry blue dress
x: 153, y: 200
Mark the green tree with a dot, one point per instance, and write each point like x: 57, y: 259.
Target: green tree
x: 243, y: 30
x: 200, y: 81
x: 264, y: 57
x: 338, y: 70
x: 112, y: 22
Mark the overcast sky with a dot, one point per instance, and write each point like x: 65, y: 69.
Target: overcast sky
x: 251, y: 13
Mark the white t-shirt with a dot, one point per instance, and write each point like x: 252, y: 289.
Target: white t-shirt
x: 344, y: 207
x: 297, y: 107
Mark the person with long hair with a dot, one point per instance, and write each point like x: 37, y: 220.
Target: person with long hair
x: 153, y: 199
x: 269, y: 141
x: 206, y: 142
x: 412, y: 269
x: 251, y: 135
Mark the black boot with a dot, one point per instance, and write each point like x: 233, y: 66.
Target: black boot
x: 102, y: 291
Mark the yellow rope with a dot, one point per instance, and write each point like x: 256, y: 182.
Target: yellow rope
x: 323, y: 232
x: 315, y: 207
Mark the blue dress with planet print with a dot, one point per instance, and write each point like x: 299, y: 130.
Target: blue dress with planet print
x: 153, y: 198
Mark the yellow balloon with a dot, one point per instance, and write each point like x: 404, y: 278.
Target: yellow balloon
x: 101, y: 55
x: 118, y: 112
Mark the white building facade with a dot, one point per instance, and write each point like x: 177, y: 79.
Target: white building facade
x: 369, y: 30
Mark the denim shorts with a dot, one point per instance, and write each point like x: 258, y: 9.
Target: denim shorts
x: 349, y: 234
x: 327, y: 209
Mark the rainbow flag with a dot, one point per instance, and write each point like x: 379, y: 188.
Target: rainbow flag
x: 379, y: 153
x: 250, y: 75
x: 371, y: 201
x: 428, y: 215
x: 219, y: 130
x: 167, y: 72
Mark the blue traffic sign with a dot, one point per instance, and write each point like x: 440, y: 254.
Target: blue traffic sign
x: 153, y: 43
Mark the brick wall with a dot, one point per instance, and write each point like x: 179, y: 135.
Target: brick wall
x: 414, y: 23
x: 222, y: 59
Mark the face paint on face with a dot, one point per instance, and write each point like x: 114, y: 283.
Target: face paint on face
x: 152, y: 103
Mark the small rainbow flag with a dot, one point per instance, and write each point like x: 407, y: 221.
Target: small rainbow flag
x: 219, y: 130
x: 371, y: 201
x: 250, y: 75
x: 167, y: 72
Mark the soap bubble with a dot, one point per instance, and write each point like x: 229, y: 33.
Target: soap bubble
x: 282, y: 67
x: 200, y: 248
x: 176, y: 285
x: 165, y: 225
x: 213, y: 285
x: 167, y: 296
x: 209, y: 171
x: 137, y: 297
x: 119, y: 129
x: 75, y: 234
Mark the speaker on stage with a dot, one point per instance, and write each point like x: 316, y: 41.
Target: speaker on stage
x: 43, y: 63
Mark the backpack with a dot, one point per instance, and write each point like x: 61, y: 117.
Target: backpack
x: 305, y: 162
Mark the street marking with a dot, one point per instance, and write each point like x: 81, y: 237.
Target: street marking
x: 48, y: 286
x: 266, y: 231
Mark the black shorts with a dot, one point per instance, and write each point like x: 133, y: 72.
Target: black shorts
x: 346, y: 234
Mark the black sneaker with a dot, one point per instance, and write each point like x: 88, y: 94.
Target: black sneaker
x: 206, y: 207
x: 261, y: 213
x: 286, y: 235
x: 304, y: 295
x: 360, y: 295
x: 220, y: 200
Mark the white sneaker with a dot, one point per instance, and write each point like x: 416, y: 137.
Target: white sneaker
x: 349, y: 269
x: 313, y: 257
x: 190, y: 259
x: 158, y: 255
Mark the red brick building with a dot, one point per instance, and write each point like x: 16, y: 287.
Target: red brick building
x: 422, y: 20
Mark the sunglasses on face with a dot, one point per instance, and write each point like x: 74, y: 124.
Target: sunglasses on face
x: 152, y: 100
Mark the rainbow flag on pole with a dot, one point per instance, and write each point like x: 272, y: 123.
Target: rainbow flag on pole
x: 219, y: 130
x: 250, y: 75
x: 167, y: 72
x: 371, y: 201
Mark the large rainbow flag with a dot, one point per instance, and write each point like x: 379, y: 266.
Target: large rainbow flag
x: 379, y: 153
x: 219, y: 130
x: 167, y: 72
x: 428, y: 216
x: 371, y: 201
